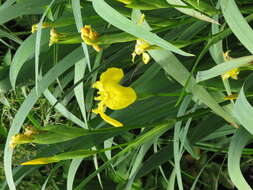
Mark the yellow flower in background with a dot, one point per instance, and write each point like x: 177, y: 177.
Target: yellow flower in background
x: 54, y: 37
x: 141, y: 46
x: 90, y: 36
x: 112, y: 95
x: 140, y: 49
x: 233, y: 73
x: 35, y: 26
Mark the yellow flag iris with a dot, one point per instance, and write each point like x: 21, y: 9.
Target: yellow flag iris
x: 112, y: 95
x: 141, y: 46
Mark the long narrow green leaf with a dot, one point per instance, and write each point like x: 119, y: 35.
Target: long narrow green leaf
x: 38, y: 42
x: 24, y: 7
x: 243, y: 111
x: 50, y: 175
x: 191, y: 12
x: 118, y: 20
x: 79, y: 72
x: 239, y: 141
x: 79, y: 24
x: 237, y: 23
x: 222, y: 68
x: 62, y: 109
x: 25, y: 51
x: 75, y: 163
x: 137, y: 164
x: 176, y: 141
x: 10, y: 36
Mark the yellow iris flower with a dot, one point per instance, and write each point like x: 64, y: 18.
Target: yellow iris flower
x: 141, y: 47
x: 90, y: 36
x: 112, y: 94
x: 233, y: 73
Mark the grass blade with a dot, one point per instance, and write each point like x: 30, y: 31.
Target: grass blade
x: 237, y: 23
x: 239, y: 141
x: 75, y: 163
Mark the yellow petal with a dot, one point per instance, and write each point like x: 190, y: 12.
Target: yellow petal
x: 111, y: 75
x: 119, y: 96
x: 233, y: 73
x: 231, y: 97
x: 110, y: 120
x: 98, y: 85
x: 96, y: 47
x: 125, y: 1
x: 38, y: 161
x: 145, y: 58
x: 133, y: 56
x: 226, y: 56
x: 34, y: 28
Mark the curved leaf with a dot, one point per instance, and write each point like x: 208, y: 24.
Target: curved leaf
x: 237, y: 23
x: 239, y: 141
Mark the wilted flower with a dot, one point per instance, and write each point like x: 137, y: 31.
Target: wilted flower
x: 90, y: 37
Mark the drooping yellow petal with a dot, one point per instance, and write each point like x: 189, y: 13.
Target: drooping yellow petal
x: 119, y: 97
x: 145, y: 58
x: 38, y: 161
x: 110, y: 120
x: 141, y: 47
x: 112, y: 75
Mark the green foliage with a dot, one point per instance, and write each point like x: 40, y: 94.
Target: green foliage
x: 188, y: 128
